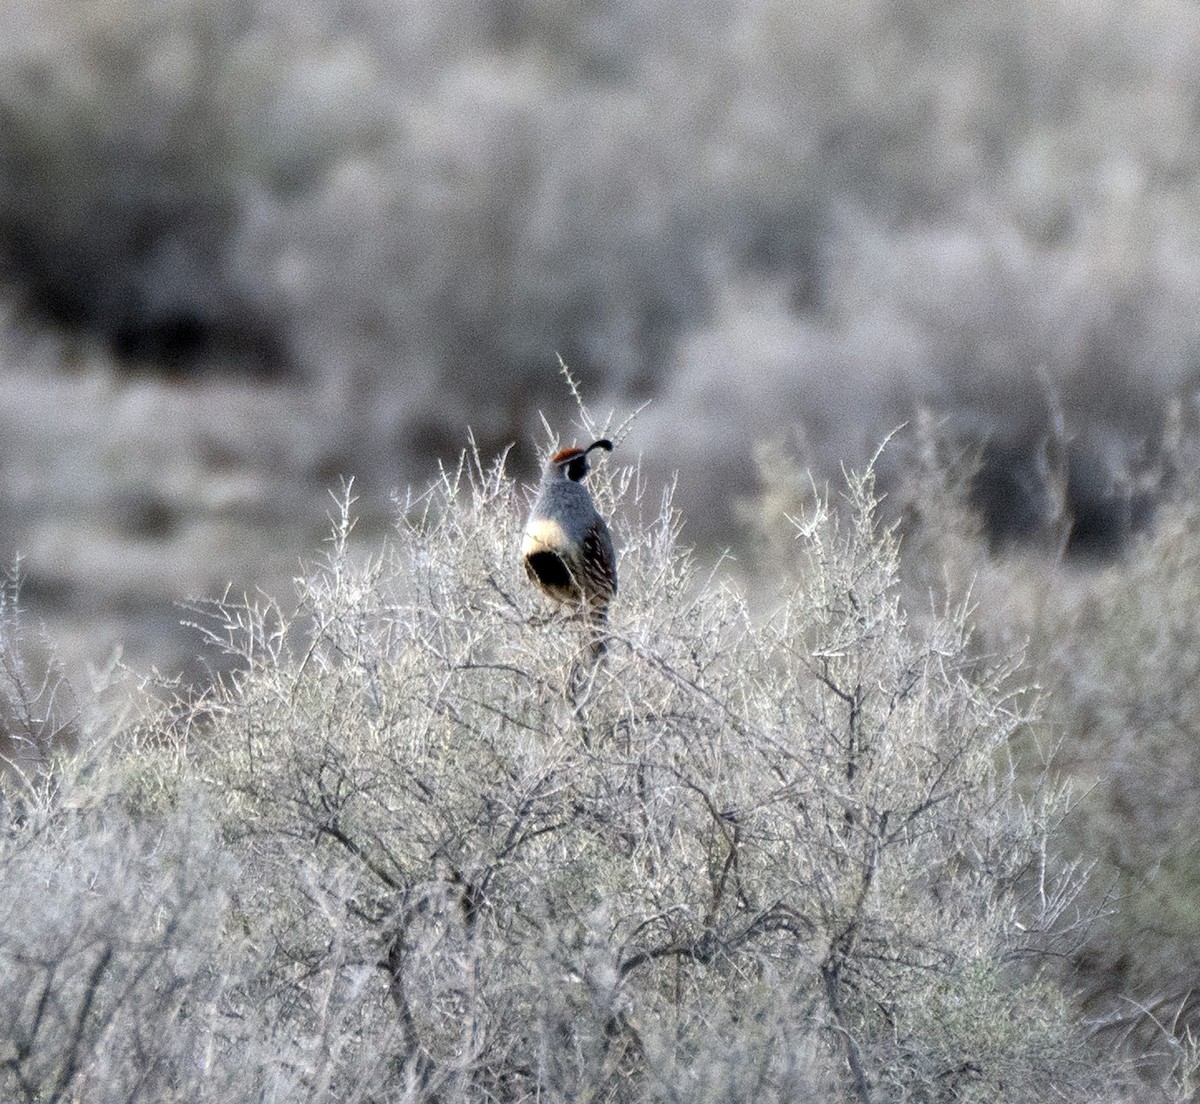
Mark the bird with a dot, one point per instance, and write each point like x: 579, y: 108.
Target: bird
x: 567, y: 547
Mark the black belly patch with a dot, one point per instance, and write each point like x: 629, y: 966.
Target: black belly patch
x: 549, y: 570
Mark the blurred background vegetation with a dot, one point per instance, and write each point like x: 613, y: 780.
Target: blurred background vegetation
x: 249, y: 248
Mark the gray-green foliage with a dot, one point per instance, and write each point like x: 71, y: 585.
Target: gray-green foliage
x: 423, y: 848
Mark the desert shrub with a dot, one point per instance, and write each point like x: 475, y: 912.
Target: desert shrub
x: 417, y: 206
x: 778, y: 857
x: 1120, y: 650
x: 109, y: 953
x: 111, y: 897
x: 120, y: 182
x: 1005, y: 342
x: 39, y: 713
x: 1112, y: 648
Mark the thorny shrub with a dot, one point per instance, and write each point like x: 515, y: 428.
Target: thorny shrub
x: 423, y: 847
x: 778, y: 857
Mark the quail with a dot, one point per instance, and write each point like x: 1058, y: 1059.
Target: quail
x: 567, y: 548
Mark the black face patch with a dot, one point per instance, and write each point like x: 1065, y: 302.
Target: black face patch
x: 549, y: 569
x: 577, y: 468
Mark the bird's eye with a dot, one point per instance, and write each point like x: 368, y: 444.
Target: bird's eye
x: 577, y: 468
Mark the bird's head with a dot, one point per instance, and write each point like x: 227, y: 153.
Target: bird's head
x: 572, y: 463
